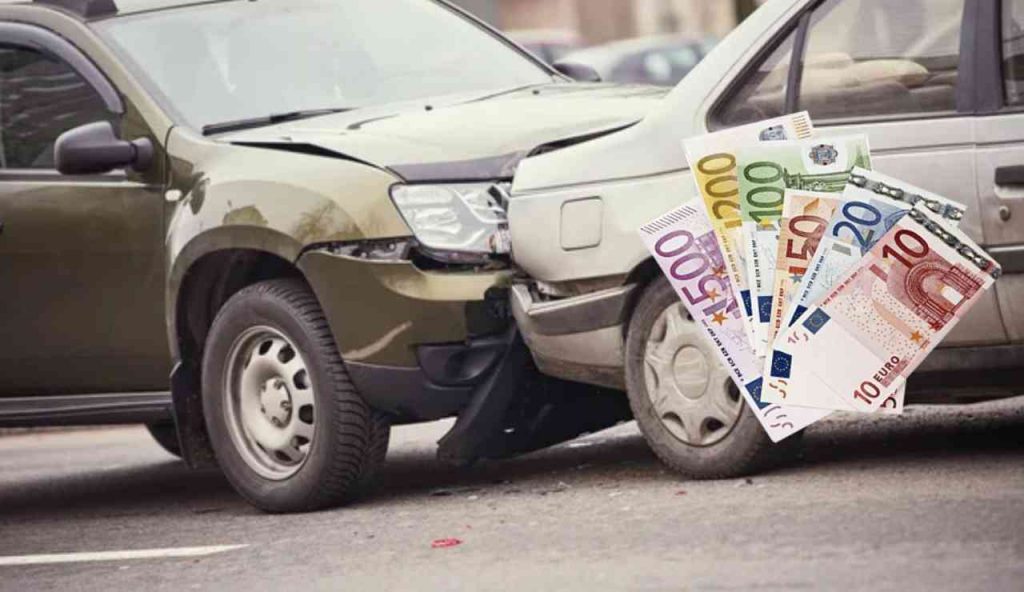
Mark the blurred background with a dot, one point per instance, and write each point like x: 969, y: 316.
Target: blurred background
x: 645, y: 41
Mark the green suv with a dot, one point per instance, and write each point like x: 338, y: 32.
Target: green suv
x: 295, y: 209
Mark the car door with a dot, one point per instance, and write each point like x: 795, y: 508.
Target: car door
x: 1001, y: 164
x: 81, y: 266
x: 900, y: 72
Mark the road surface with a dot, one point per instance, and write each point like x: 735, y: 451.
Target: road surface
x: 932, y: 500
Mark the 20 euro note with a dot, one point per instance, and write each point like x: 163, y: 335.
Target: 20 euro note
x: 872, y: 204
x: 684, y: 244
x: 712, y: 159
x: 805, y: 216
x: 856, y: 348
x: 765, y: 172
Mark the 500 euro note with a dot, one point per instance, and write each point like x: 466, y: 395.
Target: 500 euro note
x: 712, y: 159
x: 684, y: 244
x: 766, y: 171
x: 855, y: 349
x: 872, y: 204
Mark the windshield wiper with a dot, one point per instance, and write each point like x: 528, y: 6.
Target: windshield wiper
x: 241, y: 124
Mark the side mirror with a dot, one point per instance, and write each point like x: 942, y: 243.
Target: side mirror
x: 94, y: 148
x: 578, y: 72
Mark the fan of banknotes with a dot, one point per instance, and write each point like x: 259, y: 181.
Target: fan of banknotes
x: 822, y: 284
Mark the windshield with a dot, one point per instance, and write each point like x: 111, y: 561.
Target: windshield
x: 235, y: 60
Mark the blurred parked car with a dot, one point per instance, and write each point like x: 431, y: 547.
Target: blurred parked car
x: 662, y: 60
x: 550, y: 45
x: 935, y: 84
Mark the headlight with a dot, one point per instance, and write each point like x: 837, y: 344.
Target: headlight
x: 465, y: 218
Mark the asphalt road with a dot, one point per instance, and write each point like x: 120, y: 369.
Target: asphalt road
x: 933, y: 500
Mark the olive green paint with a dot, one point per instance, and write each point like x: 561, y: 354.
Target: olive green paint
x: 379, y: 311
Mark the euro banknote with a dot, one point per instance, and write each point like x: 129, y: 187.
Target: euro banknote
x: 805, y: 216
x: 687, y: 250
x: 856, y: 348
x: 872, y: 204
x: 712, y: 159
x: 765, y: 172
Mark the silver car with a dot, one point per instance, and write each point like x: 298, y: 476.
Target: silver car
x: 938, y: 88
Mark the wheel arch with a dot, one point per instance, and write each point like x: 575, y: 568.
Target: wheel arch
x: 205, y: 274
x: 213, y: 266
x: 642, y: 275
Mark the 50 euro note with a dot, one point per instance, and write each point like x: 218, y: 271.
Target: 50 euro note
x: 712, y: 159
x: 686, y: 248
x: 805, y: 216
x: 855, y: 349
x: 766, y: 171
x: 872, y: 204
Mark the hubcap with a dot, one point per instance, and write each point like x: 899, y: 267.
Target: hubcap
x: 270, y: 404
x: 692, y: 393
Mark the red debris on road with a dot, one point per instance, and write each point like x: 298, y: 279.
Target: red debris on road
x: 442, y: 543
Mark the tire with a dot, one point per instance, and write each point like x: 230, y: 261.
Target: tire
x: 695, y: 420
x: 289, y: 429
x: 166, y: 435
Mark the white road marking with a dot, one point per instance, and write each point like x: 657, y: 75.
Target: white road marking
x: 116, y: 555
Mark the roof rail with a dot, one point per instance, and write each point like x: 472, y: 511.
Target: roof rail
x: 84, y: 8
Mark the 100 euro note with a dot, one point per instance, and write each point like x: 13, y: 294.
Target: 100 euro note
x: 765, y: 172
x: 686, y: 248
x: 872, y: 204
x: 855, y: 349
x: 712, y: 159
x: 805, y: 216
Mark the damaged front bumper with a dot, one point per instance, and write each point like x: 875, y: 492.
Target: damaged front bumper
x: 579, y: 338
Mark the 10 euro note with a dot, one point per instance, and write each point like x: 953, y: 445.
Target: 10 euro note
x: 684, y: 244
x: 712, y: 159
x: 872, y: 204
x: 765, y: 172
x: 855, y: 349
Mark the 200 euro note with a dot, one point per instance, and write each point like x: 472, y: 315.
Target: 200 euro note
x: 872, y: 204
x: 684, y: 244
x: 765, y: 172
x: 712, y: 159
x: 856, y: 348
x: 805, y: 216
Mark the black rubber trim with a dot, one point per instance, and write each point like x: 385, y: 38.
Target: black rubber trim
x: 796, y: 64
x: 406, y: 393
x: 117, y: 408
x: 980, y: 80
x: 55, y: 46
x: 482, y: 419
x: 1009, y: 257
x: 441, y: 386
x: 1010, y: 175
x: 87, y: 9
x: 186, y: 396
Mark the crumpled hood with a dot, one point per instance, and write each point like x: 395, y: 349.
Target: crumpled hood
x: 464, y: 137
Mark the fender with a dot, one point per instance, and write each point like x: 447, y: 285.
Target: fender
x: 276, y: 202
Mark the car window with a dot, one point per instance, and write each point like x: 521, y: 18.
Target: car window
x: 864, y: 59
x: 763, y: 93
x: 41, y: 97
x: 1013, y: 51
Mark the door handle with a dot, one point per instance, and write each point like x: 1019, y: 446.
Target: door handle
x: 1010, y: 175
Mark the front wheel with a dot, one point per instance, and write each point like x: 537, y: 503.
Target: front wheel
x: 289, y: 429
x: 687, y: 406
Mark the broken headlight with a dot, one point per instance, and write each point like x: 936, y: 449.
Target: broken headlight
x: 460, y: 222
